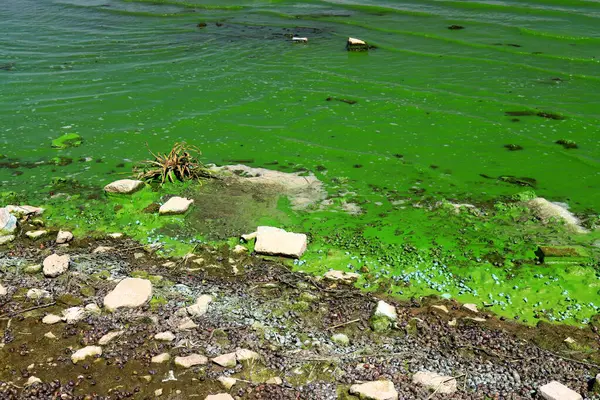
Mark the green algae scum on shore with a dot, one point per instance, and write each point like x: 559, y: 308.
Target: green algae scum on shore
x: 456, y: 158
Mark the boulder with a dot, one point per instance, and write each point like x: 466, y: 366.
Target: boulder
x: 129, y: 293
x: 175, y: 205
x: 6, y: 239
x: 343, y: 276
x: 102, y: 250
x: 442, y: 384
x: 8, y: 222
x: 354, y: 44
x: 56, y: 265
x: 546, y: 210
x: 37, y: 294
x: 32, y: 380
x: 471, y: 307
x: 340, y: 339
x: 167, y: 336
x: 89, y: 351
x: 190, y: 361
x: 186, y: 324
x: 220, y: 396
x: 36, y: 234
x: 226, y: 360
x: 73, y: 314
x: 227, y: 382
x: 64, y: 237
x: 557, y: 391
x: 51, y: 319
x: 277, y: 242
x: 161, y: 358
x: 199, y: 308
x: 3, y: 290
x: 246, y: 355
x: 106, y: 339
x: 24, y: 211
x: 124, y: 186
x: 375, y: 390
x: 385, y: 310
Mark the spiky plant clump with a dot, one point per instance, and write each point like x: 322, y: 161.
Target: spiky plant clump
x: 180, y: 164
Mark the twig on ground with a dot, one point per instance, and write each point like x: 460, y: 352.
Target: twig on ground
x: 343, y: 324
x: 12, y: 314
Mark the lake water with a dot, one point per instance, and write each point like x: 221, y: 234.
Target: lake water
x: 431, y: 102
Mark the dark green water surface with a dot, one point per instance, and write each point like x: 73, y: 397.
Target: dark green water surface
x: 126, y: 73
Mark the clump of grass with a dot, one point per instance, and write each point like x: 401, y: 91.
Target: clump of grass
x: 180, y: 164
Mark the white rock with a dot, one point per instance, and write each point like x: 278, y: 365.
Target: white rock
x: 356, y: 42
x: 129, y: 293
x: 89, y: 351
x: 175, y: 205
x: 124, y: 186
x: 93, y: 309
x: 557, y: 391
x: 190, y: 361
x: 335, y: 275
x: 64, y: 237
x: 37, y: 294
x: 375, y: 390
x: 8, y: 222
x: 116, y: 235
x: 274, y: 381
x: 227, y: 381
x: 73, y: 314
x: 6, y: 239
x: 50, y: 335
x: 249, y: 236
x: 546, y: 211
x: 200, y: 307
x: 471, y: 307
x: 186, y: 324
x: 441, y: 308
x: 51, y: 319
x: 278, y: 242
x: 110, y: 336
x: 103, y: 250
x: 56, y: 265
x: 340, y: 338
x: 246, y: 355
x: 23, y: 211
x: 226, y: 360
x: 32, y: 380
x: 161, y: 358
x: 220, y: 396
x: 385, y: 310
x: 299, y: 39
x: 36, y: 234
x: 443, y: 384
x: 158, y: 392
x: 167, y: 336
x: 3, y: 290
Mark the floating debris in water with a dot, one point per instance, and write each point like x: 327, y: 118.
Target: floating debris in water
x: 567, y: 144
x: 456, y: 27
x: 513, y: 147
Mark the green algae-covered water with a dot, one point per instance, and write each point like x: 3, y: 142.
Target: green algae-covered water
x: 431, y: 113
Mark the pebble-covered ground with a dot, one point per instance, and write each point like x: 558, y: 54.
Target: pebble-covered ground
x: 287, y: 318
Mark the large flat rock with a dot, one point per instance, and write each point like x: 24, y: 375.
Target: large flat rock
x: 375, y: 390
x: 277, y: 242
x: 557, y: 391
x: 129, y: 293
x: 124, y: 186
x: 175, y: 205
x: 55, y: 265
x: 8, y: 222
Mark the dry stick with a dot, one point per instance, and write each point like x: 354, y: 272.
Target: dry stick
x: 12, y: 314
x: 442, y: 383
x: 588, y: 364
x: 343, y: 324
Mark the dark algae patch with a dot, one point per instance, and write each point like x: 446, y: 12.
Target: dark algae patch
x: 542, y: 114
x: 513, y: 147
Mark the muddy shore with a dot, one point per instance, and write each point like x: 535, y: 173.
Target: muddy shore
x: 288, y: 318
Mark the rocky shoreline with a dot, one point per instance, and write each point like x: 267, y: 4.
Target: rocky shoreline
x: 228, y: 323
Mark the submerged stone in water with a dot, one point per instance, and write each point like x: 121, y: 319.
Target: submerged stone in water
x: 67, y: 140
x: 354, y: 44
